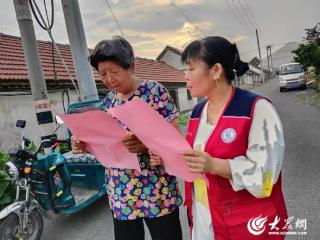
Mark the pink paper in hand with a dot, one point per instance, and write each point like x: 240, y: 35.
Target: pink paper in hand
x: 158, y: 135
x: 103, y: 135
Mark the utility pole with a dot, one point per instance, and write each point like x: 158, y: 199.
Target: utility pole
x: 262, y: 77
x: 79, y: 49
x: 37, y: 82
x: 267, y: 48
x: 271, y: 58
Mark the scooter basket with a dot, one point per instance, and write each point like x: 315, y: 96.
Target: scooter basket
x: 52, y: 182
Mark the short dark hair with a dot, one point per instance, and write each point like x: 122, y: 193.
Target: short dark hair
x: 214, y: 50
x: 117, y: 50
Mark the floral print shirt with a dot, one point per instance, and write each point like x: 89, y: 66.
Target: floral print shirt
x: 153, y: 192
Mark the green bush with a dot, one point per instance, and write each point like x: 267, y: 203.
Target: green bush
x: 64, y: 147
x: 183, y: 119
x: 6, y: 187
x: 32, y: 148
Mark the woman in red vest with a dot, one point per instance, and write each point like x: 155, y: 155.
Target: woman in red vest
x: 238, y: 144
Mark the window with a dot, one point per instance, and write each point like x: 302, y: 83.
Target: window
x: 189, y: 95
x: 289, y: 69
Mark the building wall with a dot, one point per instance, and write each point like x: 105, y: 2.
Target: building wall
x: 181, y: 96
x: 185, y: 103
x: 13, y: 108
x: 173, y: 60
x: 249, y: 78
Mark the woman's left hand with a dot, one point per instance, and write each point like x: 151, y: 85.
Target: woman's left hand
x: 133, y: 144
x: 155, y: 160
x: 199, y: 161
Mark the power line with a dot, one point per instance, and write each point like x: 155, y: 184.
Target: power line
x: 242, y: 17
x: 272, y: 44
x: 115, y: 18
x: 249, y: 51
x: 278, y: 58
x: 247, y: 15
x: 239, y: 20
x: 188, y: 18
x: 250, y: 12
x: 48, y: 27
x: 254, y: 19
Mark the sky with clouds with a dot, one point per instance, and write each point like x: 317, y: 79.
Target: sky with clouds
x: 150, y: 25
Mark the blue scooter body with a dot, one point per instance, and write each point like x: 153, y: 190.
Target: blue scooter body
x: 62, y: 176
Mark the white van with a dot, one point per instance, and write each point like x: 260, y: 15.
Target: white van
x: 291, y: 76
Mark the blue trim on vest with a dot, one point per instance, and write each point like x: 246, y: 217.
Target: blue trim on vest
x: 240, y: 105
x: 197, y: 110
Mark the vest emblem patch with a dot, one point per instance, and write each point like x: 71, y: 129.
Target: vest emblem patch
x: 228, y: 135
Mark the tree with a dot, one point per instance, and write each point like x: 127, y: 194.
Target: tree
x: 313, y: 34
x: 308, y: 55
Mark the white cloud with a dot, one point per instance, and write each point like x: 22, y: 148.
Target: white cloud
x: 151, y: 24
x: 167, y: 2
x: 155, y: 41
x: 238, y: 39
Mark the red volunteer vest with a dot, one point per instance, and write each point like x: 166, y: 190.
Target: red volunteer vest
x: 231, y: 210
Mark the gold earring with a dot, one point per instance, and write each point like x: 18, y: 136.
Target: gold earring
x: 216, y: 80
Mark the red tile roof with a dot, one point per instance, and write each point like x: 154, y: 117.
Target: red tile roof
x: 13, y: 66
x: 147, y: 69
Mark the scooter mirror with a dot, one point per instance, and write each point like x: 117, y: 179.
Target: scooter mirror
x: 20, y: 123
x: 59, y: 120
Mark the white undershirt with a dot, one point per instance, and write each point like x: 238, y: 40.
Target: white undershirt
x: 202, y: 225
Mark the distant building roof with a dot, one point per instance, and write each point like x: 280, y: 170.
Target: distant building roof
x: 169, y: 48
x: 147, y: 69
x: 254, y: 61
x: 13, y: 66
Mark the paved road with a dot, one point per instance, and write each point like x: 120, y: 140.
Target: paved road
x: 301, y: 179
x: 301, y: 182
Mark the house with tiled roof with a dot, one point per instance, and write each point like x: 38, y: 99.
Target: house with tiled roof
x: 15, y: 95
x: 14, y: 75
x: 171, y: 56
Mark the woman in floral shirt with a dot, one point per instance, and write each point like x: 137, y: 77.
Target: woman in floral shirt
x: 152, y: 195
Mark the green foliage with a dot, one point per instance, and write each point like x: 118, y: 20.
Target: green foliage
x: 183, y: 119
x: 64, y: 147
x: 6, y: 187
x: 308, y: 55
x: 313, y: 34
x: 3, y: 159
x: 31, y: 148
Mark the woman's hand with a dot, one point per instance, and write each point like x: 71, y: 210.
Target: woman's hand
x: 133, y: 144
x: 155, y: 160
x: 199, y: 161
x: 78, y: 146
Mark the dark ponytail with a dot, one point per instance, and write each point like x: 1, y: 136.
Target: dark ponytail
x: 214, y: 50
x: 238, y: 65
